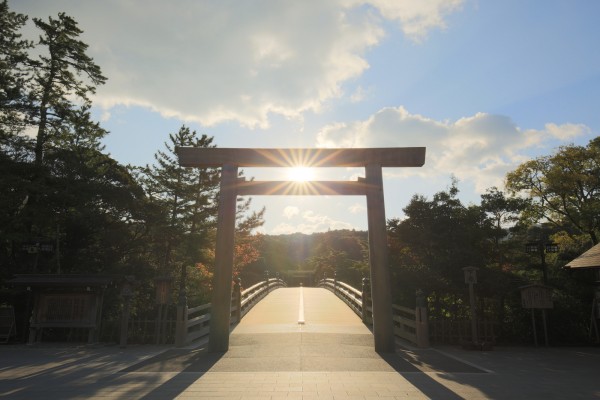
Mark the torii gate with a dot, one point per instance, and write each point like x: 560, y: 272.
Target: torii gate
x: 373, y: 160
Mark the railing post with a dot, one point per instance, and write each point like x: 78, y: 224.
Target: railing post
x: 366, y: 299
x: 421, y: 320
x: 237, y: 293
x: 335, y: 282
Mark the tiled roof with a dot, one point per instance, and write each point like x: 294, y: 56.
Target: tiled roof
x: 589, y: 259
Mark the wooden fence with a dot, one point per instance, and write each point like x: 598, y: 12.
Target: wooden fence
x: 447, y: 331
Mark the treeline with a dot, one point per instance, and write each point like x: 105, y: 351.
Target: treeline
x: 66, y: 205
x: 343, y: 252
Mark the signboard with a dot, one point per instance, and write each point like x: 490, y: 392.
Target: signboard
x: 536, y: 296
x: 68, y: 309
x: 470, y: 275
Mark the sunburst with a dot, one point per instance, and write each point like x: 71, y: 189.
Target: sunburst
x: 301, y: 174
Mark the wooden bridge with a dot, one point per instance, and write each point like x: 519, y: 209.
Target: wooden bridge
x: 302, y: 308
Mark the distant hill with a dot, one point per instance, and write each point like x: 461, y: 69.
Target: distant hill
x: 299, y: 252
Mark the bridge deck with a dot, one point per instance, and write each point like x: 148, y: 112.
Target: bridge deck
x: 281, y: 310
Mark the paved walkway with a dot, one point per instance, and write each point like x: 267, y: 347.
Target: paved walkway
x: 273, y: 356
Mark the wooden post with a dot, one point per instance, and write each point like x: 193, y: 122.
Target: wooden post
x: 221, y: 295
x: 365, y: 299
x: 237, y: 295
x: 422, y: 320
x: 473, y: 314
x: 181, y: 329
x: 383, y: 327
x: 125, y: 321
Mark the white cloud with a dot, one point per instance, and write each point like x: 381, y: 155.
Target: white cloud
x: 357, y: 208
x: 567, y: 132
x: 311, y: 222
x: 416, y: 18
x: 480, y: 149
x: 290, y: 211
x: 213, y: 61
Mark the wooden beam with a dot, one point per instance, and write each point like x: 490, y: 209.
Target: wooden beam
x: 291, y: 188
x: 306, y: 157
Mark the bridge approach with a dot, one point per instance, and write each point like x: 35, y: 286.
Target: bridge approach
x: 296, y: 344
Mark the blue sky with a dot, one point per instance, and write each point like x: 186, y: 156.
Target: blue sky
x: 484, y: 85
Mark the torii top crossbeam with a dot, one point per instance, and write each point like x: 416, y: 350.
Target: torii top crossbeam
x: 305, y: 157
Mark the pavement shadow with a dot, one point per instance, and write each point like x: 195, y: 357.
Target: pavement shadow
x: 427, y: 360
x: 182, y: 360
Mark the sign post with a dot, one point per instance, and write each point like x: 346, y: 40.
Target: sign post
x: 540, y: 297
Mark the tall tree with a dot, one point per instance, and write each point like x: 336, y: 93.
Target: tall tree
x: 13, y: 72
x: 186, y: 198
x: 502, y: 214
x: 63, y: 80
x: 564, y: 187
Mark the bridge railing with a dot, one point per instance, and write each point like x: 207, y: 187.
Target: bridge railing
x: 409, y: 324
x: 353, y: 297
x: 193, y: 325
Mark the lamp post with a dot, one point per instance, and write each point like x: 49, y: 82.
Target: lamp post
x: 542, y: 247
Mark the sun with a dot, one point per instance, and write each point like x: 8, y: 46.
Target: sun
x: 301, y: 174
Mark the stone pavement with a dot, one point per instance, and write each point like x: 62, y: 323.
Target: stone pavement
x: 272, y: 356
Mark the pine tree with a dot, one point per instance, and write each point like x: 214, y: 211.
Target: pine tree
x: 186, y: 198
x: 62, y: 83
x: 13, y: 73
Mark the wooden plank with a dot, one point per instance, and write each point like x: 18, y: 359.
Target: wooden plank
x: 194, y: 335
x: 405, y: 322
x: 307, y: 157
x: 199, y: 308
x: 198, y: 320
x: 407, y: 310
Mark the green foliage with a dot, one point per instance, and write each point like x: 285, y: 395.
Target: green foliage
x: 62, y: 80
x: 344, y: 252
x: 564, y: 188
x: 13, y: 73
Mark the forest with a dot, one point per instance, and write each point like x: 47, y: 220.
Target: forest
x: 68, y: 207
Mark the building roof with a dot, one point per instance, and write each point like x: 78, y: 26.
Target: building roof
x: 589, y: 259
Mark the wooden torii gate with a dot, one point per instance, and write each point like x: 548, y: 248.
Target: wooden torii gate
x: 372, y: 159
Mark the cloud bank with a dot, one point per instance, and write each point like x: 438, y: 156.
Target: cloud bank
x: 480, y: 149
x: 214, y: 61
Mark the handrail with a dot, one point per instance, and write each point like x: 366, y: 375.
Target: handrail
x: 348, y: 294
x: 197, y: 319
x: 409, y: 323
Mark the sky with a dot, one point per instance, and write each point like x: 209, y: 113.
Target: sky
x: 483, y: 85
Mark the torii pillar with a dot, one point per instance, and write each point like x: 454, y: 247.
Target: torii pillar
x: 373, y: 160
